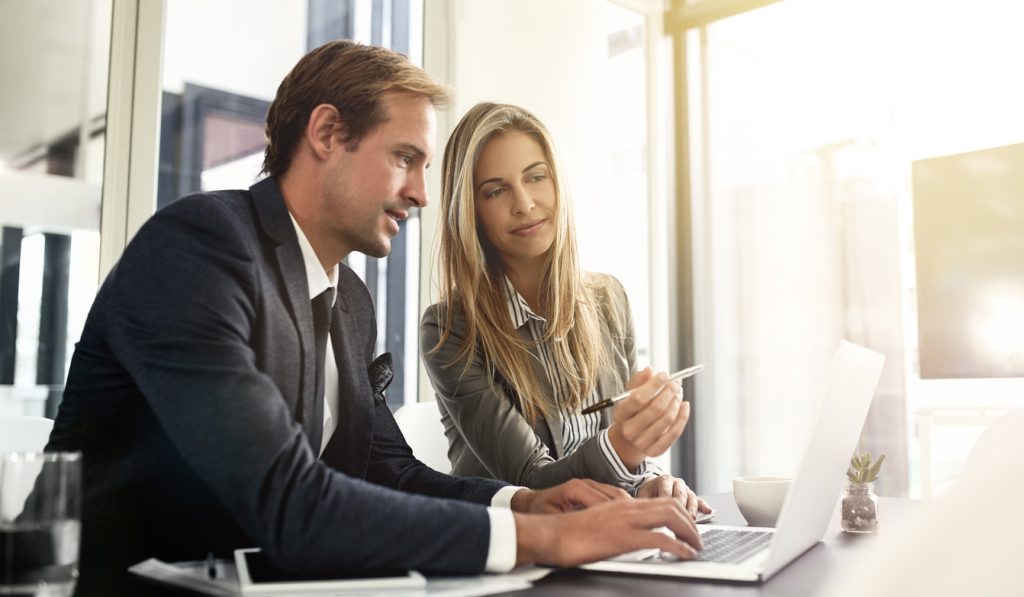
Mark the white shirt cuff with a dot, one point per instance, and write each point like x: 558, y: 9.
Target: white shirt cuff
x: 501, y: 553
x: 503, y: 497
x: 626, y: 477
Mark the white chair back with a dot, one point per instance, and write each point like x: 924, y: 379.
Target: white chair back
x: 421, y: 425
x: 24, y: 434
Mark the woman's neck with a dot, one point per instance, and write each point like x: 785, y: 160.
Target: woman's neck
x: 526, y: 279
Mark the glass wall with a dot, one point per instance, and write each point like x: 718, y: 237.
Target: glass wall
x: 222, y: 64
x: 813, y: 123
x: 622, y: 210
x: 53, y: 64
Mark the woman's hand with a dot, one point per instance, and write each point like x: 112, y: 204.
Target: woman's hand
x: 669, y: 486
x: 650, y: 420
x: 574, y: 494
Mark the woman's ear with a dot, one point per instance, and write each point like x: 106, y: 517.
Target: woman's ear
x: 322, y: 129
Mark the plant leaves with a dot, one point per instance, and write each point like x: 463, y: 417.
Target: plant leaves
x: 872, y: 473
x: 863, y: 468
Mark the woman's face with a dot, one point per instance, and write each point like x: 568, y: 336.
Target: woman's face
x: 515, y: 198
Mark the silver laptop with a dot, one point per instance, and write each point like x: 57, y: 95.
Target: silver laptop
x: 754, y: 554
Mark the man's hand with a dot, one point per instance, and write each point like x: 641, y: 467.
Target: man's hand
x: 606, y: 530
x: 668, y: 486
x: 650, y: 420
x: 571, y: 495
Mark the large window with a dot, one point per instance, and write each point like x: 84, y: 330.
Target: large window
x: 53, y: 65
x: 222, y: 64
x: 811, y: 124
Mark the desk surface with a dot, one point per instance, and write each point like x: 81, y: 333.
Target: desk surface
x: 802, y: 577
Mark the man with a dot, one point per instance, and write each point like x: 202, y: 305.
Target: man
x: 198, y: 392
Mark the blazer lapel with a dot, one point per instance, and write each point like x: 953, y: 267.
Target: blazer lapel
x: 277, y: 226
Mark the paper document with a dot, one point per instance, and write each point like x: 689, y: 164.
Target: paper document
x: 191, y: 575
x: 194, y: 576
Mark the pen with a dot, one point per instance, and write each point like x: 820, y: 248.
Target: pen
x: 688, y: 372
x: 211, y: 565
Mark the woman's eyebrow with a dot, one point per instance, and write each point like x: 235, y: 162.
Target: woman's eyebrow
x: 496, y: 179
x: 499, y: 179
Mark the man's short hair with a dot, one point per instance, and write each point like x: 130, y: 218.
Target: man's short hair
x: 351, y: 77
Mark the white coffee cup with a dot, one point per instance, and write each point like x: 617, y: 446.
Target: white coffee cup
x: 760, y: 498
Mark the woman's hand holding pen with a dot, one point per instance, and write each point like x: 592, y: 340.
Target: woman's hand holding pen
x: 650, y: 420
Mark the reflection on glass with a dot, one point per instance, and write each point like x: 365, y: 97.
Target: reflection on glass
x: 53, y: 64
x: 815, y: 113
x: 969, y: 240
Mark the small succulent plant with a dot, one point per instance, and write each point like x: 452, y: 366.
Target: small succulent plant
x: 863, y: 469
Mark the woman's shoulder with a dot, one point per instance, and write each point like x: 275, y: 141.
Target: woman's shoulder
x: 444, y: 309
x: 612, y: 304
x: 443, y: 333
x: 605, y: 287
x: 443, y: 315
x: 434, y: 313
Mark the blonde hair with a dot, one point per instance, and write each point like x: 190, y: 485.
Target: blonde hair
x: 472, y: 274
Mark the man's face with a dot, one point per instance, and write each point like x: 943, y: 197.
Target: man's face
x: 373, y: 187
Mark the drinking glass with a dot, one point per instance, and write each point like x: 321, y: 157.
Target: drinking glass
x: 40, y: 522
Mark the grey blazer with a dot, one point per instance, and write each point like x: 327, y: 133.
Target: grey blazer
x: 487, y: 434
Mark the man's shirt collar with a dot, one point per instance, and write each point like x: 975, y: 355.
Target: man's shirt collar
x: 318, y: 279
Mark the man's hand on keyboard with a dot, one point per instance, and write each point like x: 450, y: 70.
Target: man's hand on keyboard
x: 606, y: 530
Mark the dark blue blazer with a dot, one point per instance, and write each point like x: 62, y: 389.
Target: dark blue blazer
x: 189, y: 393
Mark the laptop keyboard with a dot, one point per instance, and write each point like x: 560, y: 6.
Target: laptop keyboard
x: 732, y: 546
x: 722, y: 546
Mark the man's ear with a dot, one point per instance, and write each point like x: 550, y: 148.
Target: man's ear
x: 322, y: 130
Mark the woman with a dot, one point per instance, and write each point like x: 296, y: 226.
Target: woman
x: 522, y: 341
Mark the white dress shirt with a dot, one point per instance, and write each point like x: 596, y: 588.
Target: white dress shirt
x: 501, y: 554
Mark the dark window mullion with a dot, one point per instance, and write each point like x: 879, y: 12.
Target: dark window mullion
x: 53, y: 318
x: 10, y: 278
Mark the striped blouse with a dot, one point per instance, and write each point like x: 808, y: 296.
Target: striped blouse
x: 576, y: 428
